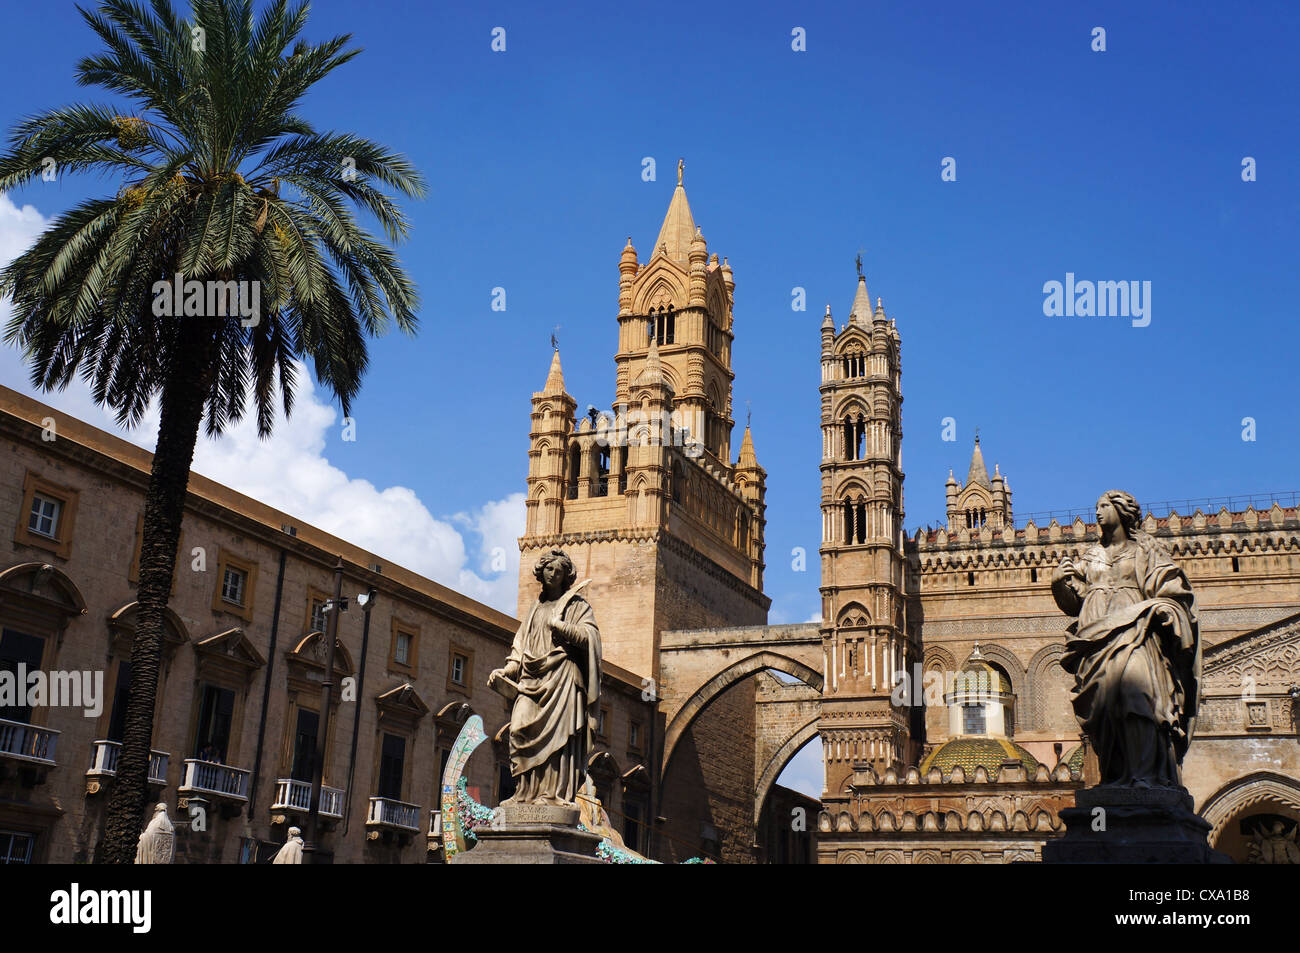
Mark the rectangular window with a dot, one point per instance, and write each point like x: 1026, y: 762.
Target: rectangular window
x: 458, y: 669
x: 319, y: 618
x: 600, y: 722
x: 216, y: 713
x: 18, y: 648
x: 233, y: 582
x: 16, y: 847
x: 392, y: 766
x: 47, y: 516
x: 404, y: 647
x: 304, y: 745
x: 121, y: 697
x: 634, y: 736
x: 972, y: 719
x: 44, y: 517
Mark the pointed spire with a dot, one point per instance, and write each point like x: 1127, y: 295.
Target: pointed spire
x: 978, y: 472
x: 861, y: 310
x: 653, y: 372
x: 555, y: 379
x: 747, y: 460
x: 678, y: 230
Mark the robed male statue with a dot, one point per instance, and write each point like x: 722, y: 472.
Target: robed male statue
x: 1135, y: 651
x: 158, y: 840
x: 553, y: 675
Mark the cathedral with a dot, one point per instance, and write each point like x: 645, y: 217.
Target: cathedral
x: 934, y: 678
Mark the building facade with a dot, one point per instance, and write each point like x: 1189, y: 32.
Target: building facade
x: 239, y: 695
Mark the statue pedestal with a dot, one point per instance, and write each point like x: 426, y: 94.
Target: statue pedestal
x: 533, y: 834
x: 1110, y: 824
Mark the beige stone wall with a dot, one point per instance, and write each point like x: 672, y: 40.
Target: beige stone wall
x: 109, y: 477
x: 971, y: 587
x: 709, y: 784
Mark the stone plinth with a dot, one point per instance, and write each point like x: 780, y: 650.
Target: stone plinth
x: 532, y: 834
x: 1122, y: 825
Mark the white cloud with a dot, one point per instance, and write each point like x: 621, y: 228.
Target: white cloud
x: 290, y: 472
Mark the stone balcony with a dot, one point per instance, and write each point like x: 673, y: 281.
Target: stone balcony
x: 294, y: 797
x: 208, y: 779
x: 103, y: 765
x: 389, y: 817
x: 31, y: 744
x: 386, y: 812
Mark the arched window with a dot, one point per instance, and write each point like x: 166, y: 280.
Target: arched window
x: 602, y: 471
x: 572, y: 476
x: 663, y: 325
x: 855, y: 437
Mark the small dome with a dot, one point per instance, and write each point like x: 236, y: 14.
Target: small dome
x: 978, y: 677
x: 970, y: 753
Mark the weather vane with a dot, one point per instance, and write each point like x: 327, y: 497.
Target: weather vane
x: 555, y: 341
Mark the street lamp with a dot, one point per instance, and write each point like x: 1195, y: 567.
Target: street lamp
x: 338, y: 603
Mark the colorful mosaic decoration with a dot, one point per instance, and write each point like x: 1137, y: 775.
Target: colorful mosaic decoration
x: 453, y: 789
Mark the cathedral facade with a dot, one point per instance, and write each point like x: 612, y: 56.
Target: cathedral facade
x: 933, y: 680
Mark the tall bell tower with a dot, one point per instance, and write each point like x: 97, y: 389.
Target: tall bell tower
x: 863, y: 626
x: 645, y: 496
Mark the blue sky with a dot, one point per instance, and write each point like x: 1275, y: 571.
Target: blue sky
x: 1117, y: 165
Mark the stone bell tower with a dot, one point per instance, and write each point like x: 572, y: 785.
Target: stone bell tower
x: 863, y: 628
x: 644, y: 496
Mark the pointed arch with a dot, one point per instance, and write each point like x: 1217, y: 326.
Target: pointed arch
x: 801, y: 735
x: 662, y: 284
x: 723, y: 680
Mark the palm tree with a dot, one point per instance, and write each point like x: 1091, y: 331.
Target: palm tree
x: 222, y: 181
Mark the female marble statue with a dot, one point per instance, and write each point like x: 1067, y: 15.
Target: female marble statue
x: 1135, y: 650
x: 553, y: 675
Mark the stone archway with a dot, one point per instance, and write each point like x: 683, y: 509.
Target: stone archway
x: 1264, y: 792
x: 724, y: 679
x: 776, y: 764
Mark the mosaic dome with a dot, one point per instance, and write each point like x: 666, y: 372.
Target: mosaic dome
x: 970, y: 753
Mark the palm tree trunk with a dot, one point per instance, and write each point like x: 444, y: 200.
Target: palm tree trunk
x: 183, y: 398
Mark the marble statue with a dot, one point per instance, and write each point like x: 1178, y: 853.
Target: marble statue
x: 1134, y: 651
x: 553, y: 676
x: 291, y: 852
x: 158, y: 840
